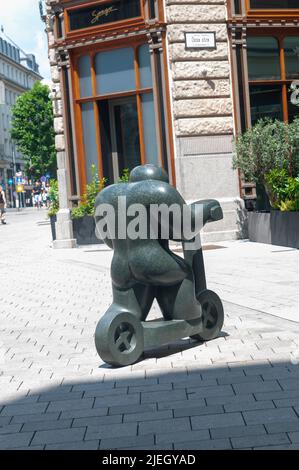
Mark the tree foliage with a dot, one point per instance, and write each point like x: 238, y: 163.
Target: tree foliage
x: 33, y: 130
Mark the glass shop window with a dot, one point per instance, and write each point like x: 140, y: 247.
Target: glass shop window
x: 263, y: 58
x: 89, y: 137
x: 291, y: 54
x: 85, y: 76
x: 115, y: 71
x: 265, y: 101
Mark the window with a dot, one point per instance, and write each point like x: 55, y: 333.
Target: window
x: 273, y: 4
x: 273, y: 63
x: 263, y: 58
x: 115, y: 71
x: 291, y: 53
x: 116, y: 107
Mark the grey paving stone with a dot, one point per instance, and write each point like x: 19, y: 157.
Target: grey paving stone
x: 164, y: 405
x: 164, y: 426
x: 195, y: 382
x: 289, y: 384
x: 80, y: 445
x: 35, y: 417
x: 70, y: 404
x: 14, y: 441
x: 237, y: 431
x: 206, y: 392
x: 259, y: 441
x: 126, y: 409
x: 137, y: 382
x: 148, y: 416
x: 239, y: 379
x: 4, y: 420
x: 96, y: 420
x: 84, y: 387
x: 255, y: 387
x: 283, y: 447
x: 175, y: 437
x: 114, y: 392
x: 212, y: 444
x: 198, y: 411
x: 35, y: 408
x: 59, y: 396
x: 257, y: 370
x: 47, y: 425
x: 247, y: 406
x: 268, y: 416
x: 286, y: 402
x: 277, y: 395
x: 85, y: 413
x: 216, y: 421
x: 154, y: 447
x: 58, y: 436
x: 109, y: 401
x: 282, y: 426
x: 155, y: 397
x: 226, y: 400
x: 294, y: 437
x: 128, y: 442
x: 111, y: 430
x: 151, y: 388
x: 10, y: 428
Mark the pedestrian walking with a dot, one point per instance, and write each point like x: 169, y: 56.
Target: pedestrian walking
x: 37, y: 195
x: 2, y: 205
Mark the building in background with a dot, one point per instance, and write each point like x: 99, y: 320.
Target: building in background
x: 167, y: 82
x: 18, y: 73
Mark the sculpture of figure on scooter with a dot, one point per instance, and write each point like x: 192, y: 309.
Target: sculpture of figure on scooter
x: 144, y: 268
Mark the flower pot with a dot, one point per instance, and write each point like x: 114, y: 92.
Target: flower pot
x: 274, y: 227
x: 53, y: 220
x: 84, y: 231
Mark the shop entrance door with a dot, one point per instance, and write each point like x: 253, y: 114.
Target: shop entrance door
x: 125, y: 143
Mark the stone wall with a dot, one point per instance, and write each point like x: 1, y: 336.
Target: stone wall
x: 203, y: 110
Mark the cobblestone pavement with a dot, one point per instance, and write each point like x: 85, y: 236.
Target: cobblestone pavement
x: 239, y: 391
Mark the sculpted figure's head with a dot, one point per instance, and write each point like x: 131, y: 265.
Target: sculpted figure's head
x: 148, y: 172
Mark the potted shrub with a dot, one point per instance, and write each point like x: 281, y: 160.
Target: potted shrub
x: 54, y: 206
x: 269, y: 155
x: 83, y: 215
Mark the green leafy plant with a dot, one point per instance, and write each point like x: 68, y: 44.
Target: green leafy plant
x: 261, y: 149
x: 284, y: 190
x: 124, y: 178
x: 54, y: 198
x: 268, y: 154
x: 86, y: 206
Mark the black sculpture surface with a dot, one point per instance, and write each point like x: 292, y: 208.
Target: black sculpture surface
x: 144, y: 269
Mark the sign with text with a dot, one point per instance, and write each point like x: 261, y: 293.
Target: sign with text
x: 200, y: 40
x: 103, y: 13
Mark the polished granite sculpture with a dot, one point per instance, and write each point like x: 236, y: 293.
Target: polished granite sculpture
x: 144, y: 268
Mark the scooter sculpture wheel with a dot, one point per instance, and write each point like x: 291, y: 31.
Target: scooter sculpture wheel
x: 212, y: 316
x: 119, y: 338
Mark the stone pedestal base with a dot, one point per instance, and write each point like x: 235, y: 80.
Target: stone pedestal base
x: 64, y: 231
x: 64, y: 244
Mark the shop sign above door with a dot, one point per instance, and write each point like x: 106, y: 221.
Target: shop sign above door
x: 200, y: 40
x: 103, y: 13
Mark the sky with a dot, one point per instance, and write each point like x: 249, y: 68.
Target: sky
x: 22, y: 23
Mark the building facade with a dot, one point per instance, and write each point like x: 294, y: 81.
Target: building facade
x: 169, y: 82
x: 18, y: 73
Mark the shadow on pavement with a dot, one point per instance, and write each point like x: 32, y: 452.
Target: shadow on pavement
x: 234, y: 406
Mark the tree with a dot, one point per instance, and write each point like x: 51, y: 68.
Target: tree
x: 33, y: 130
